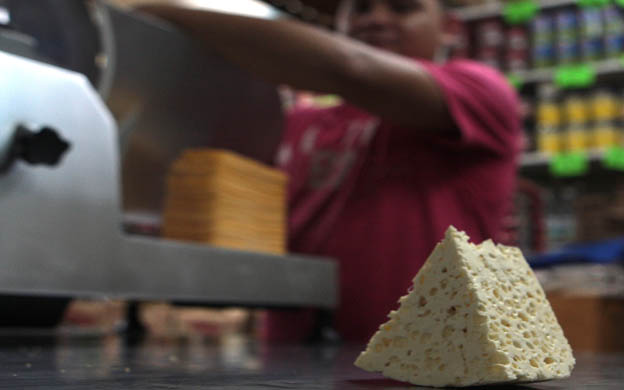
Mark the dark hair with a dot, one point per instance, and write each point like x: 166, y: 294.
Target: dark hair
x: 343, y: 11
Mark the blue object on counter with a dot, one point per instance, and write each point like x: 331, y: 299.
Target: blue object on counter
x: 602, y: 252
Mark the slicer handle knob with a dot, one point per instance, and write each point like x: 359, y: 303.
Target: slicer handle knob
x: 43, y: 147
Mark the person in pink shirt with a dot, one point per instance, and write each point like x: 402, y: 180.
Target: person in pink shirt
x: 374, y: 182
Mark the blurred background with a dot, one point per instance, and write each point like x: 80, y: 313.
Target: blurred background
x: 565, y: 60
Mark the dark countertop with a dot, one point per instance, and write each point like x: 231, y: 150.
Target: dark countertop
x: 108, y: 362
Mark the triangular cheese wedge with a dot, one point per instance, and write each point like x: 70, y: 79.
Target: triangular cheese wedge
x: 476, y: 315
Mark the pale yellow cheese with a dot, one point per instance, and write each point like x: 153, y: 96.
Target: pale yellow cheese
x: 476, y: 315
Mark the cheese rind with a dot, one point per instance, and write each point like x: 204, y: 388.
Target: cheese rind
x: 476, y: 315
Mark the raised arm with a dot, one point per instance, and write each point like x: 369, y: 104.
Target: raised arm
x: 308, y: 58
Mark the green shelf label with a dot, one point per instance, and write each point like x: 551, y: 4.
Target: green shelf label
x: 520, y: 11
x: 614, y: 158
x: 595, y: 3
x: 515, y: 80
x: 569, y: 164
x: 575, y: 76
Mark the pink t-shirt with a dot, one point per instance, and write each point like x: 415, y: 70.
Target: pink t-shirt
x: 377, y: 197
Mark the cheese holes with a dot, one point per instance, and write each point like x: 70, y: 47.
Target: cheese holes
x: 448, y: 330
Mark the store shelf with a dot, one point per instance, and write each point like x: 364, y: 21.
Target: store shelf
x: 533, y: 159
x: 602, y: 68
x: 490, y: 10
x: 537, y: 159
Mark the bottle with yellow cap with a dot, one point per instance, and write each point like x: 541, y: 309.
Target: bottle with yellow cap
x: 548, y: 121
x: 605, y: 107
x: 575, y: 133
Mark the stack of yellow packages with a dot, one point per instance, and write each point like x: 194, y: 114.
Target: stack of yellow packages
x: 224, y: 199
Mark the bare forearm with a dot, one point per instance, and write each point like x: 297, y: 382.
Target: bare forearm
x: 280, y: 51
x: 309, y: 58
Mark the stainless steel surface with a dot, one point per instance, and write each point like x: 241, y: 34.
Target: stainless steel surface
x: 108, y: 363
x: 61, y: 227
x: 169, y: 93
x: 58, y: 222
x: 166, y: 91
x: 199, y: 273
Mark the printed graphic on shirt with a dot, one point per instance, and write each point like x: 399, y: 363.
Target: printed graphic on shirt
x: 308, y: 140
x: 284, y: 155
x: 328, y: 164
x: 328, y: 168
x: 331, y: 164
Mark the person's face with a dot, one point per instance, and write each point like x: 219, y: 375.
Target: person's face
x: 409, y: 27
